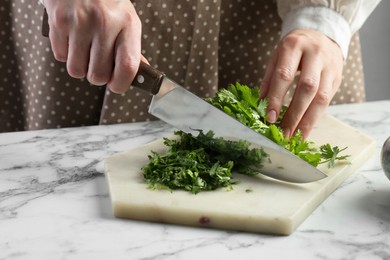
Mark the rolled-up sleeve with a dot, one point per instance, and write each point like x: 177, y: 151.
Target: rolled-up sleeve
x: 338, y: 20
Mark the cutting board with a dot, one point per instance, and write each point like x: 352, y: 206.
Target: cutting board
x: 257, y: 204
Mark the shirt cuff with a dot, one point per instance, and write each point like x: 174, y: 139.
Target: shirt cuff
x: 321, y: 19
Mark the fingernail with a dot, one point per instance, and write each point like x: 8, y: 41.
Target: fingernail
x: 272, y: 116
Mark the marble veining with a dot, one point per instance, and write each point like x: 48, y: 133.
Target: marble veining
x: 54, y: 202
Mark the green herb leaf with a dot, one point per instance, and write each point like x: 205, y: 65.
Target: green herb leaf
x: 201, y: 163
x: 330, y: 154
x: 204, y: 163
x: 245, y: 105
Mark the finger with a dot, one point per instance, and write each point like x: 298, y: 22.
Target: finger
x: 101, y: 60
x: 78, y: 53
x: 267, y: 76
x: 127, y: 59
x: 324, y: 95
x: 281, y: 80
x: 59, y: 41
x: 307, y: 87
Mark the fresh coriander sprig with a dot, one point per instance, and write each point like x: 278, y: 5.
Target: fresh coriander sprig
x: 330, y: 155
x: 244, y: 104
x: 205, y: 163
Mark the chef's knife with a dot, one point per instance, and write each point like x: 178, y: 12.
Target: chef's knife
x: 190, y: 113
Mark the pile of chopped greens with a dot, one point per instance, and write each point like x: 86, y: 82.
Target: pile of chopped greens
x: 203, y: 162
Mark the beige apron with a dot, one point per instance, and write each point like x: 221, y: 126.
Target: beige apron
x: 203, y: 45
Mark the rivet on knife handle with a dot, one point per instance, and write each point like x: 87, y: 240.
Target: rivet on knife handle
x: 148, y: 78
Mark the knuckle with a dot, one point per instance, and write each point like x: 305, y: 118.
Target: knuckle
x: 128, y: 65
x: 59, y: 18
x: 291, y: 41
x: 309, y: 85
x: 125, y: 70
x: 322, y: 98
x: 299, y: 40
x: 117, y: 87
x: 65, y: 18
x: 76, y: 71
x: 318, y: 49
x: 100, y: 17
x: 59, y: 56
x: 285, y: 74
x: 98, y: 77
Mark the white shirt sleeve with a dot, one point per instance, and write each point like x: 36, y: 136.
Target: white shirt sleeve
x: 338, y: 20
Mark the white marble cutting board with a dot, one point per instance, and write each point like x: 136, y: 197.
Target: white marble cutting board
x: 270, y: 206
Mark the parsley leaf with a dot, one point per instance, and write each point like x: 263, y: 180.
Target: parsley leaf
x: 201, y: 163
x: 330, y: 154
x: 244, y: 104
x: 205, y: 163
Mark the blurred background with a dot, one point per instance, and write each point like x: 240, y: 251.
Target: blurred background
x: 375, y: 41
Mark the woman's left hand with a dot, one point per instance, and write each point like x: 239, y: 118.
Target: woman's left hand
x: 319, y: 60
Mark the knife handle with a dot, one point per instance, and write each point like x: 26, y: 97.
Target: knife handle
x: 148, y: 78
x: 45, y: 24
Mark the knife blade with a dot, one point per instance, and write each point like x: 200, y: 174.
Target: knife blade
x: 187, y: 112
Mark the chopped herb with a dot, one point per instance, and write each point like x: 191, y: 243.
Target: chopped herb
x: 205, y: 163
x: 201, y: 163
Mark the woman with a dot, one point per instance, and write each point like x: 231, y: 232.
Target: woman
x: 203, y: 45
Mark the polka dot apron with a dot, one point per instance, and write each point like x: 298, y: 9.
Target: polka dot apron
x: 203, y: 45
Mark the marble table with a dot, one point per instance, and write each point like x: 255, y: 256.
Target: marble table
x: 54, y: 202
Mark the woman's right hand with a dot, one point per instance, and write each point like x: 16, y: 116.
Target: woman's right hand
x: 98, y: 39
